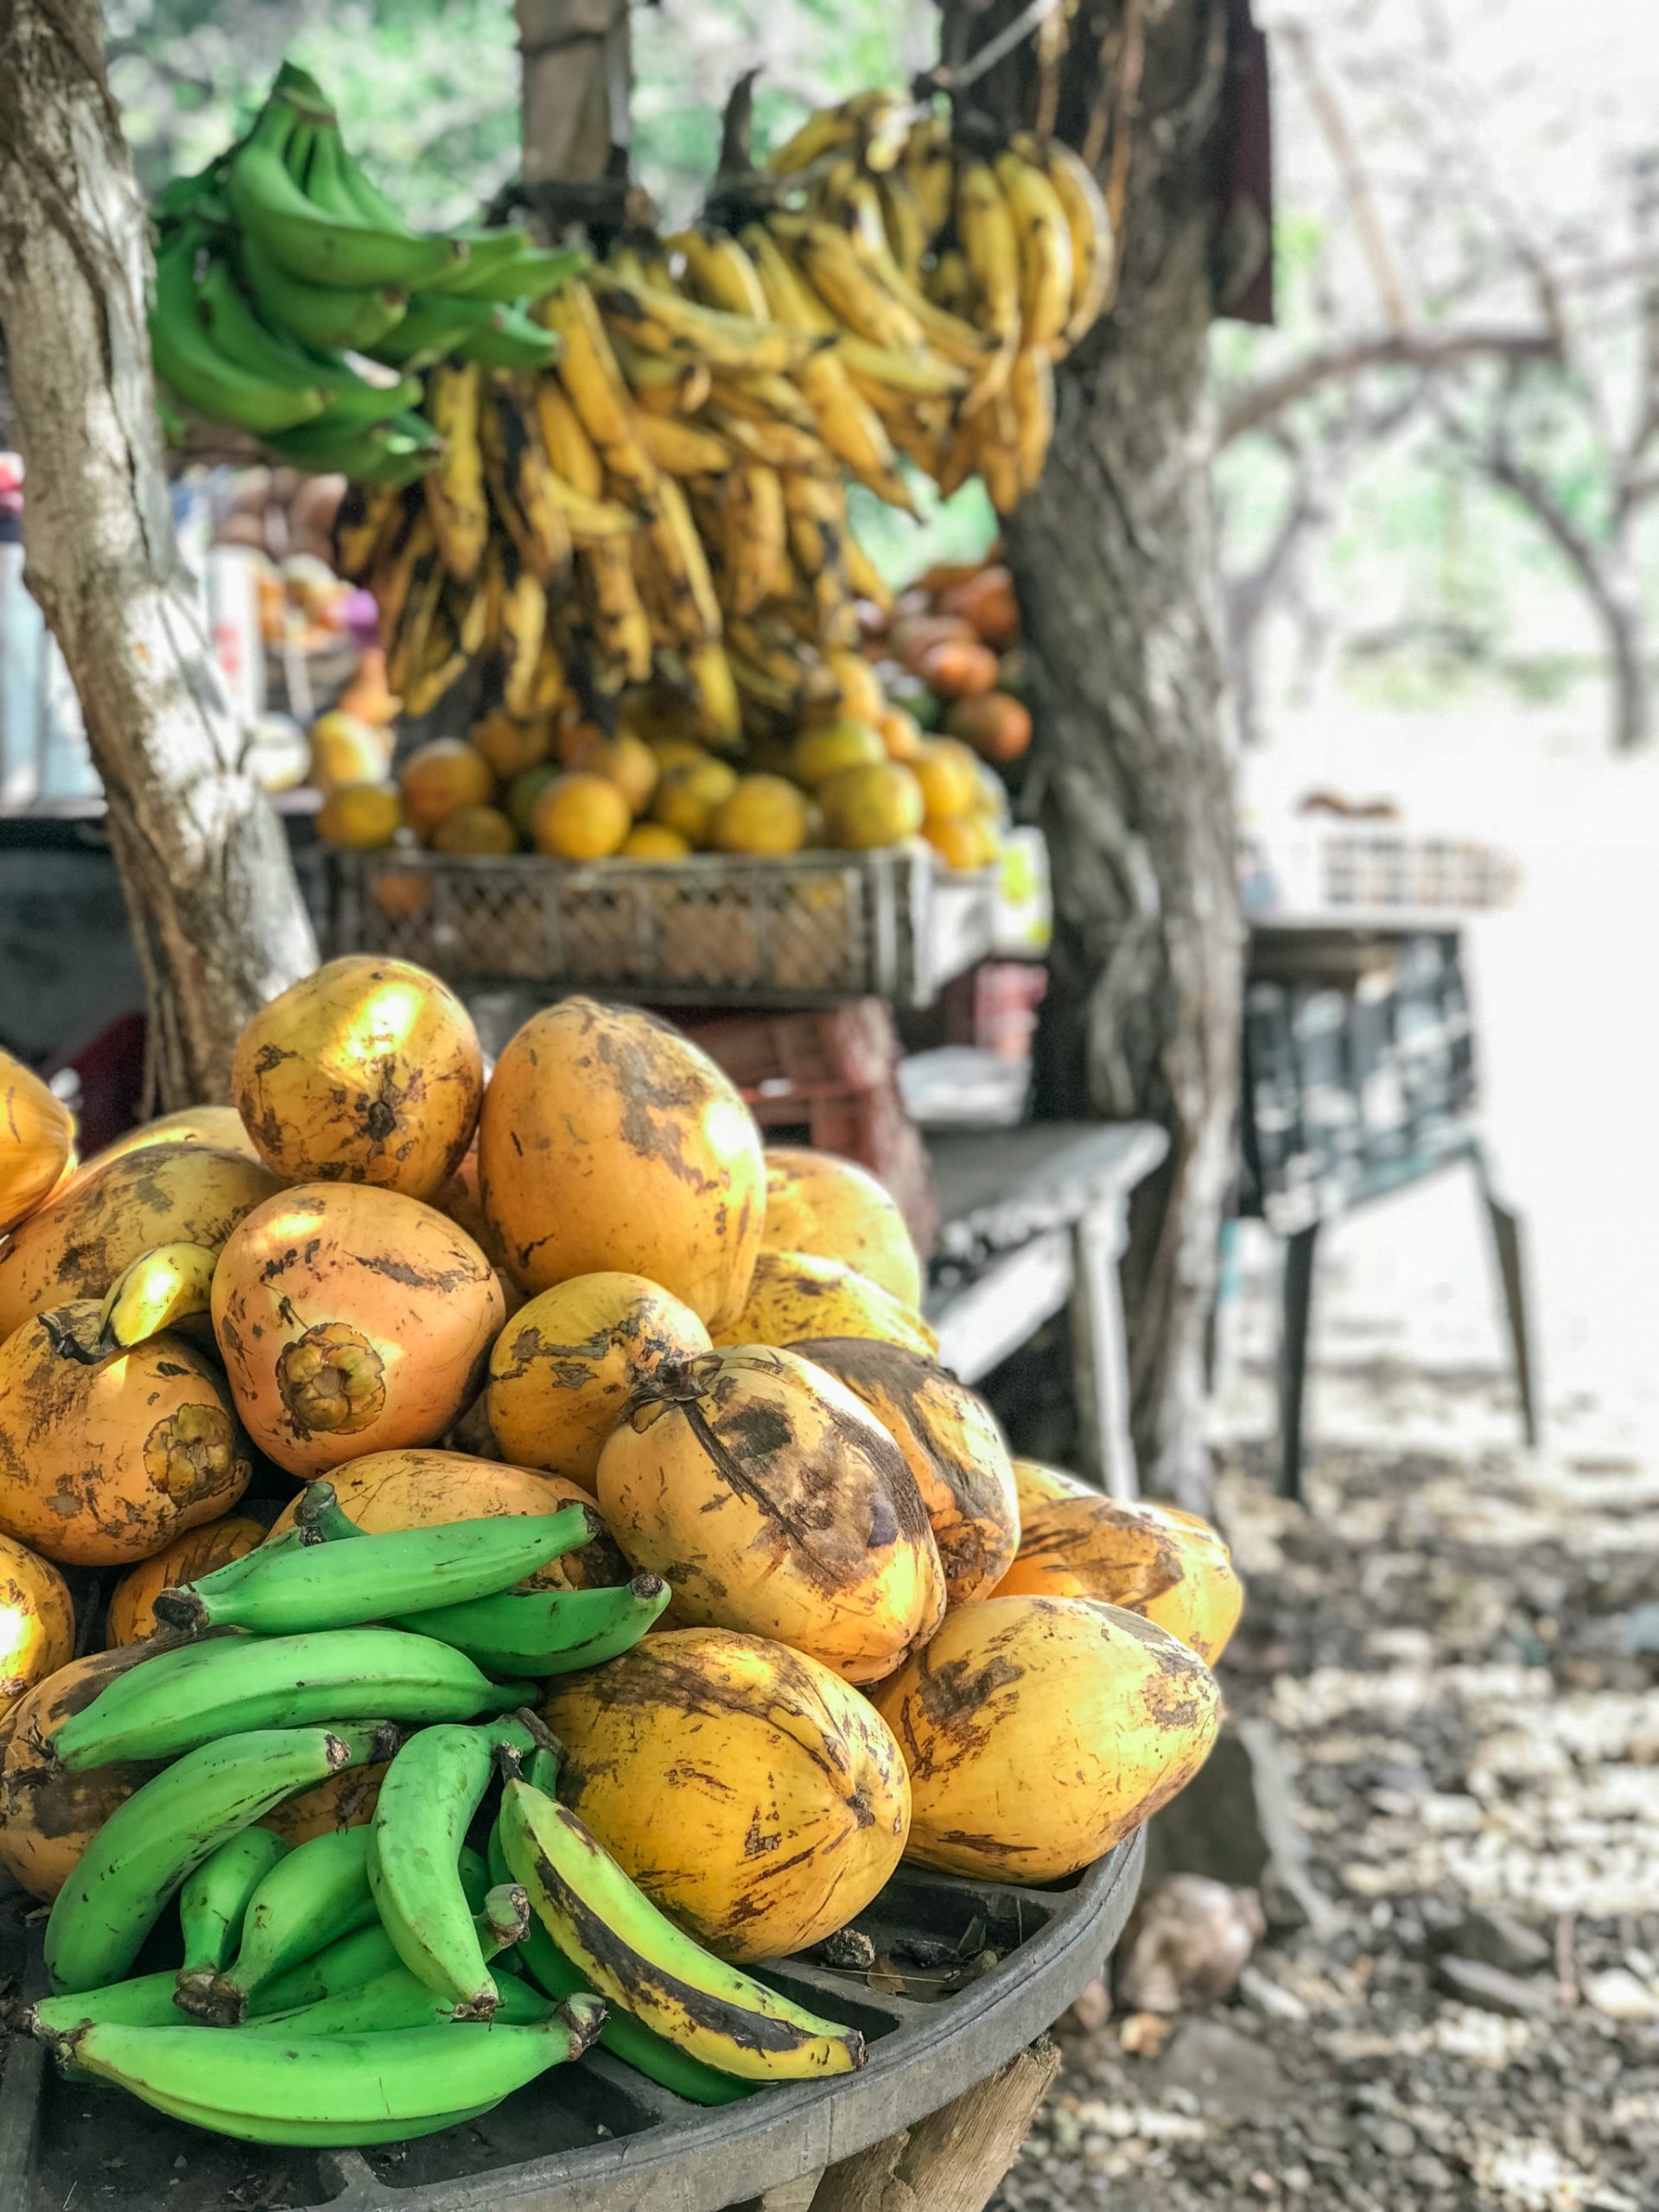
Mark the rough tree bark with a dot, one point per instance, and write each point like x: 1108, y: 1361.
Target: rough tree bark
x: 215, y: 909
x: 1113, y: 558
x: 575, y: 81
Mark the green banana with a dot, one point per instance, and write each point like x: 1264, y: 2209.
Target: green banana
x: 398, y: 1999
x: 167, y: 1827
x: 434, y: 1787
x: 343, y: 188
x: 625, y: 2038
x: 323, y: 1586
x: 347, y: 1963
x: 435, y: 324
x: 188, y: 361
x: 323, y: 248
x: 214, y: 1902
x: 509, y: 340
x: 236, y: 330
x: 350, y: 2089
x: 318, y: 1893
x: 145, y: 2001
x: 184, y: 1697
x: 394, y: 452
x: 530, y: 273
x: 636, y: 1958
x: 318, y: 314
x: 547, y: 1631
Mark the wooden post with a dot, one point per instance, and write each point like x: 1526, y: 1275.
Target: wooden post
x: 211, y: 892
x: 953, y: 2160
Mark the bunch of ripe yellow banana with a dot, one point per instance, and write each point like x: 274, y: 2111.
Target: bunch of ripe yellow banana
x: 669, y: 497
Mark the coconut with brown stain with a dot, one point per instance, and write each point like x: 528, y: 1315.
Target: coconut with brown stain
x: 222, y: 1127
x: 1154, y: 1560
x: 795, y: 1295
x: 345, y: 1800
x: 103, y: 1461
x: 48, y: 1815
x: 37, y: 1625
x: 755, y: 1797
x: 953, y: 1448
x: 368, y: 1071
x: 819, y: 1203
x: 1036, y: 1483
x: 130, y: 1615
x: 609, y: 1141
x: 170, y: 1194
x: 351, y: 1320
x: 565, y: 1367
x: 771, y: 1501
x: 1041, y: 1732
x: 422, y: 1490
x: 36, y: 1138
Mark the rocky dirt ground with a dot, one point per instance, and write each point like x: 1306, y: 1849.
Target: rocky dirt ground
x: 1455, y: 1649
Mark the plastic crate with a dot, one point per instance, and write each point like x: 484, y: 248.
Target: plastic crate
x: 811, y: 930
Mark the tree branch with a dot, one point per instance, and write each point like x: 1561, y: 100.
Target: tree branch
x: 1431, y: 350
x: 1297, y: 41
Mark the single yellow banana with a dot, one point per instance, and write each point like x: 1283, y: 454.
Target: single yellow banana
x: 921, y: 375
x: 585, y: 517
x: 790, y: 297
x: 952, y: 282
x: 874, y: 122
x: 520, y: 482
x: 866, y: 578
x: 163, y: 1288
x: 685, y: 449
x: 455, y: 485
x: 408, y: 610
x: 722, y: 274
x: 1045, y: 272
x: 1094, y: 260
x: 720, y: 714
x: 588, y: 373
x: 659, y: 386
x: 996, y: 448
x: 692, y: 605
x: 524, y: 624
x: 569, y: 449
x: 552, y: 681
x: 369, y: 526
x: 904, y: 221
x: 619, y: 623
x: 780, y: 445
x: 762, y: 399
x: 842, y: 277
x: 754, y: 541
x: 991, y: 242
x: 1030, y: 393
x: 441, y: 661
x: 467, y: 606
x: 663, y: 321
x: 929, y: 169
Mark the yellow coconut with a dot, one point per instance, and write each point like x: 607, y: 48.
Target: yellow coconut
x: 819, y: 1203
x: 37, y: 1625
x: 424, y: 1490
x: 1169, y: 1565
x: 755, y: 1797
x: 103, y: 1463
x: 1037, y: 1483
x: 175, y: 1193
x: 1041, y: 1732
x: 37, y: 1135
x: 368, y: 1071
x: 351, y: 1320
x: 220, y: 1125
x: 772, y: 1502
x: 794, y: 1295
x: 608, y: 1141
x: 131, y: 1614
x: 953, y: 1448
x: 566, y: 1366
x: 459, y: 1198
x: 48, y: 1815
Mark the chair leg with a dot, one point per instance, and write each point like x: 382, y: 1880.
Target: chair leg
x: 1293, y: 1355
x: 1507, y: 1243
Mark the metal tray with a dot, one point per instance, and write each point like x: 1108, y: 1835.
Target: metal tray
x: 811, y: 929
x: 596, y: 2137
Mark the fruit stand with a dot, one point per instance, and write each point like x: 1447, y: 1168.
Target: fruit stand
x: 614, y: 2142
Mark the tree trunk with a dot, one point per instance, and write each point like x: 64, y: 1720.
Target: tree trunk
x: 215, y: 909
x: 1114, y: 560
x: 574, y: 85
x: 1616, y: 599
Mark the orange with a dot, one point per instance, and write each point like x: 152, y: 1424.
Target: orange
x: 866, y: 807
x: 823, y: 752
x: 624, y: 760
x: 685, y: 798
x: 651, y: 841
x: 763, y: 814
x: 948, y: 775
x: 511, y: 746
x: 438, y: 778
x: 475, y: 829
x: 581, y: 817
